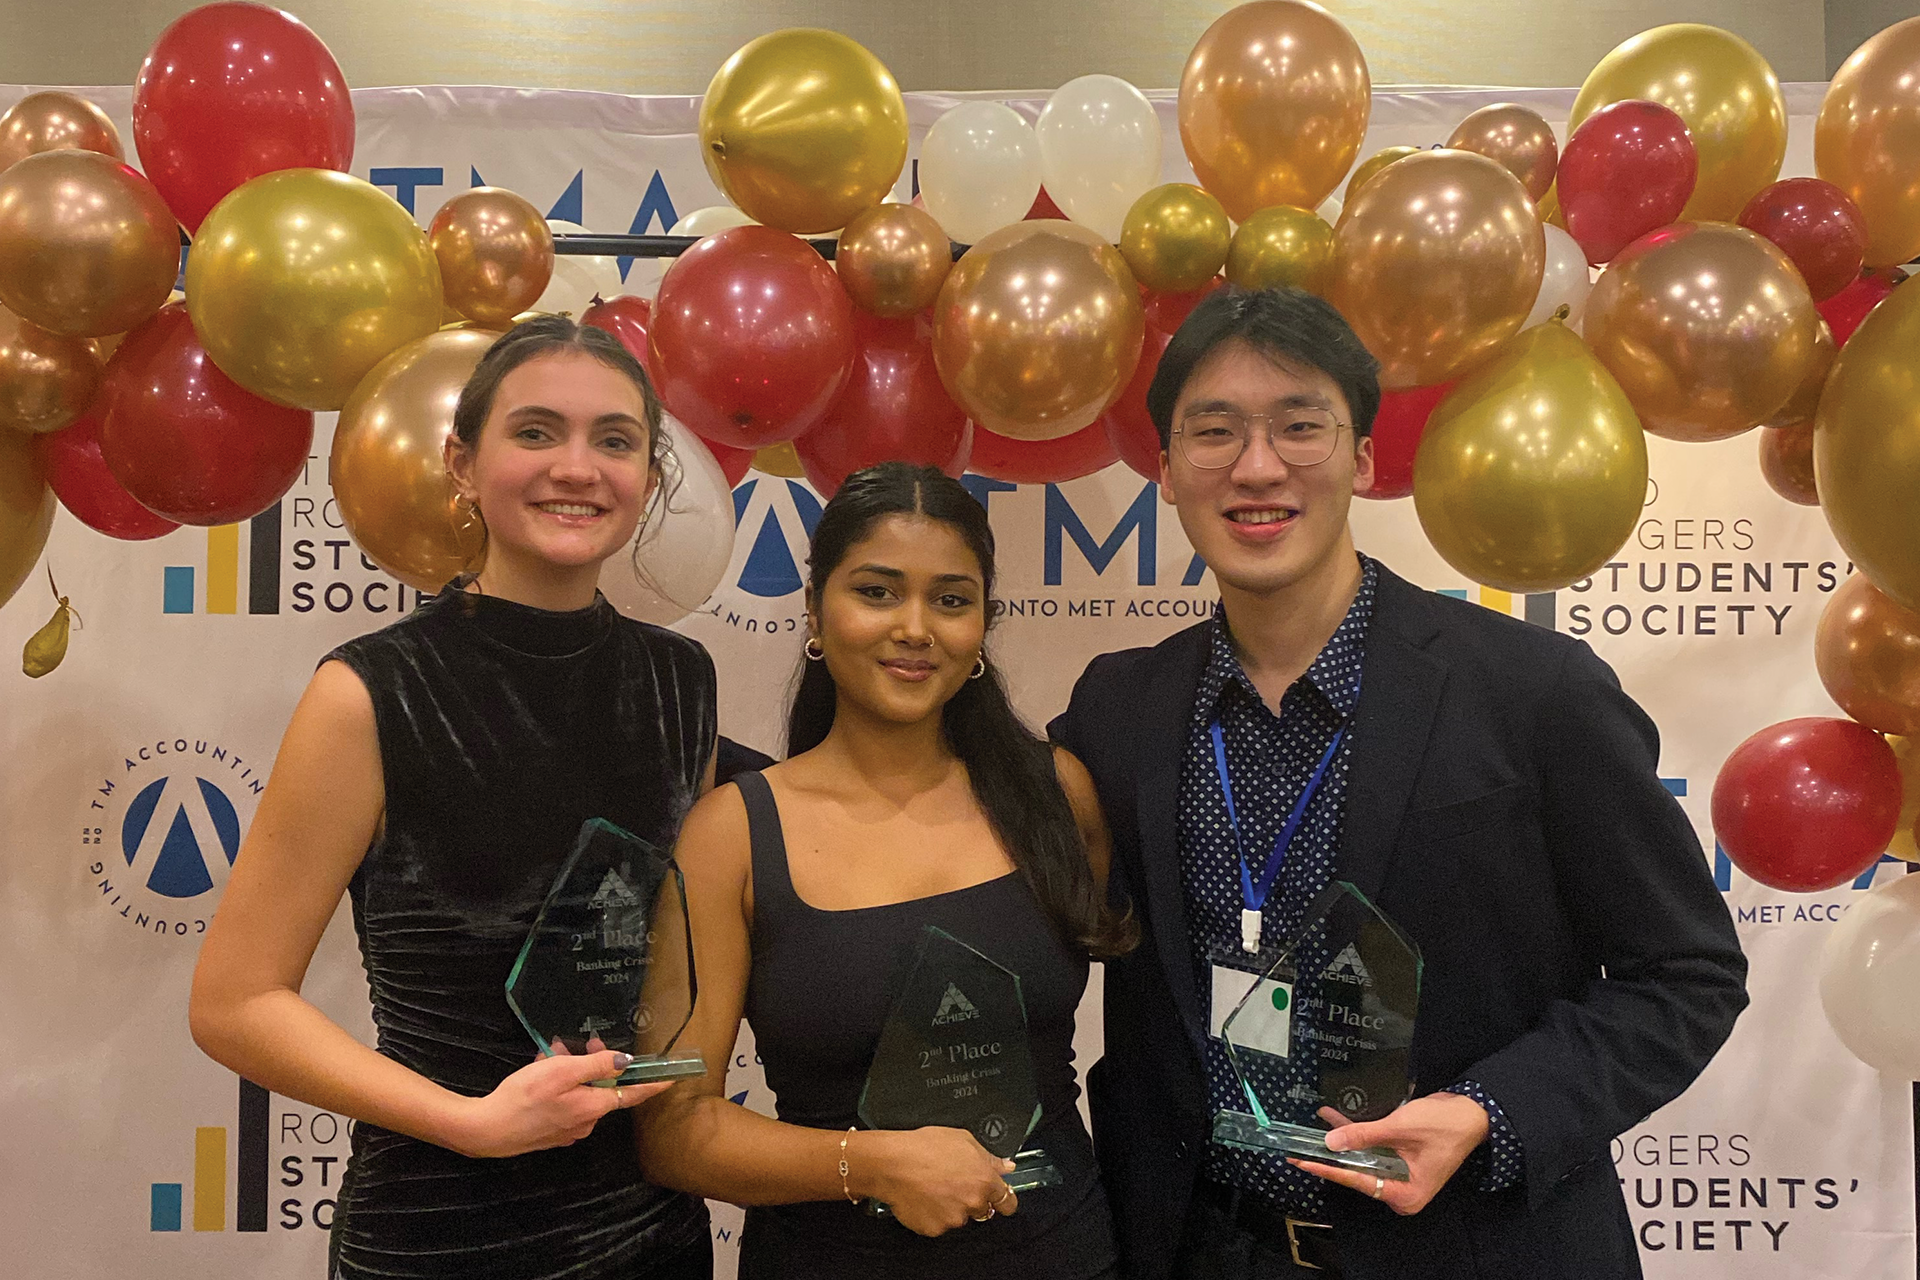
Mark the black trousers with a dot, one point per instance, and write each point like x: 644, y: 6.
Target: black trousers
x: 1222, y: 1245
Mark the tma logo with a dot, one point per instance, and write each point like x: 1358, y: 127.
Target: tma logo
x: 161, y: 838
x: 783, y: 517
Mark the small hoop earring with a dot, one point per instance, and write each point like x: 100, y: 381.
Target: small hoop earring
x: 979, y: 666
x: 813, y: 650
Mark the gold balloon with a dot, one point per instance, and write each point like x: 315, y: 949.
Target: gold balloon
x: 1866, y: 446
x: 56, y: 121
x: 1867, y: 650
x: 1273, y: 105
x: 781, y: 460
x: 1281, y: 246
x: 302, y: 280
x: 802, y: 129
x: 46, y: 380
x: 1175, y: 238
x: 1038, y: 329
x: 892, y: 259
x: 87, y: 246
x: 495, y: 253
x: 1786, y: 463
x: 1708, y: 327
x: 1532, y: 472
x: 1725, y: 91
x: 26, y: 510
x: 1369, y: 169
x: 1906, y: 831
x: 1868, y: 135
x: 47, y: 648
x: 1517, y: 139
x: 1800, y: 407
x: 1550, y: 208
x: 1436, y: 263
x: 389, y: 469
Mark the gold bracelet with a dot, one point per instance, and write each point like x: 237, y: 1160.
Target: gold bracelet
x: 844, y: 1188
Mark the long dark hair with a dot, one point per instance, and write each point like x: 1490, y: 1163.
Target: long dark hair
x: 1010, y: 768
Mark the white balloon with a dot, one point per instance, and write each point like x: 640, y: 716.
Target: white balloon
x: 1330, y: 210
x: 578, y: 278
x: 1099, y: 150
x: 1869, y: 971
x: 979, y: 169
x: 715, y: 217
x: 1565, y: 282
x: 685, y: 543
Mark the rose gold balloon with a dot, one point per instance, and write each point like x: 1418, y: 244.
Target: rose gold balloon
x: 1273, y: 105
x: 495, y: 253
x: 55, y: 121
x: 87, y: 246
x: 1868, y: 652
x: 46, y: 380
x: 1868, y: 134
x: 26, y: 509
x: 1708, y: 327
x: 389, y: 472
x: 892, y: 259
x: 1369, y: 169
x: 1436, y: 263
x: 1515, y: 138
x: 1038, y: 329
x: 1786, y: 462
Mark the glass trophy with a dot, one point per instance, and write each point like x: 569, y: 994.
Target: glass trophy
x: 609, y: 963
x: 1329, y: 1022
x: 954, y: 1053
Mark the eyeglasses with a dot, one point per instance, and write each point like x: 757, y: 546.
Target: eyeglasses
x: 1215, y: 438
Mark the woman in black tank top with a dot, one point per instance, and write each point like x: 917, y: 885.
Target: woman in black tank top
x: 437, y: 772
x: 914, y: 798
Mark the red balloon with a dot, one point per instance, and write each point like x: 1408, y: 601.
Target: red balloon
x: 85, y: 487
x: 894, y: 408
x: 1086, y: 451
x: 232, y: 91
x: 627, y: 318
x: 1045, y: 208
x: 1128, y: 424
x: 186, y: 440
x: 1807, y: 804
x: 734, y: 463
x: 1844, y: 311
x: 1397, y: 429
x: 752, y: 337
x: 1817, y: 225
x: 1627, y: 170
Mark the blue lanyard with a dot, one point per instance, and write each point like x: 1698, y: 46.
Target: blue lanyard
x: 1254, y: 893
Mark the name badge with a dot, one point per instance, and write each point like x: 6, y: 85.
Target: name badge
x: 1266, y: 1021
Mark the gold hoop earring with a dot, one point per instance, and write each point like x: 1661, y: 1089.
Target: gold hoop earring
x: 813, y: 650
x: 979, y: 666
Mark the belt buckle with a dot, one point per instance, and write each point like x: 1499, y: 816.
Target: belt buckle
x: 1293, y: 1241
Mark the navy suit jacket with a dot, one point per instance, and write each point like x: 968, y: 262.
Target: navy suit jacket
x: 1504, y: 809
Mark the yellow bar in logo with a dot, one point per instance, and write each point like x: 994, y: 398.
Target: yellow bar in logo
x: 1498, y: 601
x: 223, y: 569
x: 210, y: 1173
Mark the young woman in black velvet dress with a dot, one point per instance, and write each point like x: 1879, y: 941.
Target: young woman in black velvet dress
x: 436, y: 772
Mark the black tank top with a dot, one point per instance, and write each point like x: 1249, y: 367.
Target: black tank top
x: 502, y: 728
x: 822, y: 985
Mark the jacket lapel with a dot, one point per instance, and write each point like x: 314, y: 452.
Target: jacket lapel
x: 1400, y: 690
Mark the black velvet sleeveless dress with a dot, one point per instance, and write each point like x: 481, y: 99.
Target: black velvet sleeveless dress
x: 502, y: 728
x: 822, y: 985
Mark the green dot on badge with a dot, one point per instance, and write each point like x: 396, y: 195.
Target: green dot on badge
x: 1281, y: 999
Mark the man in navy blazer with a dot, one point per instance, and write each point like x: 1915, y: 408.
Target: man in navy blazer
x: 1485, y: 782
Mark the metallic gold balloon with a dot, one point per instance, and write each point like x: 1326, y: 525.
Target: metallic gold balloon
x: 388, y: 467
x: 802, y: 129
x: 1436, y: 262
x: 1281, y: 246
x: 495, y: 254
x: 1866, y: 446
x: 1517, y: 139
x: 1800, y: 407
x: 1038, y: 329
x: 1369, y: 169
x: 47, y: 648
x: 1273, y: 105
x: 46, y: 380
x: 1175, y: 238
x: 892, y: 259
x: 781, y: 460
x: 1786, y: 463
x: 26, y: 510
x: 1532, y: 472
x: 1867, y: 138
x: 302, y: 280
x: 1549, y: 208
x: 1725, y: 91
x: 56, y: 121
x: 1906, y: 831
x: 1867, y: 650
x: 1708, y: 327
x: 87, y: 246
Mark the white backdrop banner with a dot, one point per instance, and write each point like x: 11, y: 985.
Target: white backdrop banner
x: 133, y: 770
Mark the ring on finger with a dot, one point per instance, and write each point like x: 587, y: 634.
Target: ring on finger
x: 983, y: 1217
x: 616, y: 1096
x: 1379, y: 1186
x: 1004, y: 1193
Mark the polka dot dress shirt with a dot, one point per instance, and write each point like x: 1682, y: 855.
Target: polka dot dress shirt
x: 1270, y: 759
